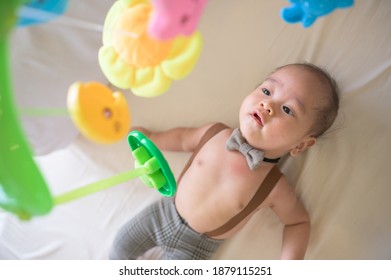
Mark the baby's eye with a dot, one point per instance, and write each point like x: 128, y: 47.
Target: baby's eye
x: 266, y: 91
x: 287, y: 110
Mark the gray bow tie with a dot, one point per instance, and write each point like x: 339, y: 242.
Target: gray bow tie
x: 253, y: 156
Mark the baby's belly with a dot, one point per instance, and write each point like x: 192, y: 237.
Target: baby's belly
x: 206, y: 213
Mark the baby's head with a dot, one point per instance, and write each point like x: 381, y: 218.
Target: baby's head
x: 328, y: 94
x: 294, y: 106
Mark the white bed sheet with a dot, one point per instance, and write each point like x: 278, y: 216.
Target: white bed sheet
x: 344, y: 181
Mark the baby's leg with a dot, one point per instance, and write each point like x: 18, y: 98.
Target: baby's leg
x: 137, y: 236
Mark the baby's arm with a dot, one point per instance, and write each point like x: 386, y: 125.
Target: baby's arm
x: 176, y: 139
x: 292, y: 213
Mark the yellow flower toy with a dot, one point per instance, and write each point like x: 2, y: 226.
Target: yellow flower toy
x: 131, y: 59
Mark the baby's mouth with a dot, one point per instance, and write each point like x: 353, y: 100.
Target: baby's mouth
x: 257, y: 118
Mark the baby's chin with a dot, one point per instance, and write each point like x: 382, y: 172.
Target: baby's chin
x: 251, y: 135
x: 249, y: 127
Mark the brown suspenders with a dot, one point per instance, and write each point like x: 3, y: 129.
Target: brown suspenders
x: 263, y: 191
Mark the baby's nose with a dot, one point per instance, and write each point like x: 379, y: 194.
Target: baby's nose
x: 266, y: 106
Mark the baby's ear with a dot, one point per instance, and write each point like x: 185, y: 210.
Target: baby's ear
x: 304, y: 145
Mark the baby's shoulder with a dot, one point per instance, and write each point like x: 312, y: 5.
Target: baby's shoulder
x: 283, y: 192
x: 211, y: 130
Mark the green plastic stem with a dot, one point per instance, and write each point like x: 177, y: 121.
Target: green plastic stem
x: 41, y: 112
x: 100, y: 185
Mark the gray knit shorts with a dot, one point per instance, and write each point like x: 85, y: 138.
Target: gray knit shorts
x: 160, y: 225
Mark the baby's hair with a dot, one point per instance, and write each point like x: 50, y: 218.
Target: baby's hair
x: 329, y: 109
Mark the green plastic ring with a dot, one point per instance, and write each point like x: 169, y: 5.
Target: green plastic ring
x: 136, y: 139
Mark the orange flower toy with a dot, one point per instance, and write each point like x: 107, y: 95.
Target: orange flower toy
x: 131, y: 59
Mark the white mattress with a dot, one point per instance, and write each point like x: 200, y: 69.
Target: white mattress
x: 344, y: 181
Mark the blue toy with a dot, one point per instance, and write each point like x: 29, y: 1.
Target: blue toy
x: 40, y: 11
x: 307, y: 11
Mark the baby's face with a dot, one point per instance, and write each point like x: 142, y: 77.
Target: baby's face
x: 278, y: 115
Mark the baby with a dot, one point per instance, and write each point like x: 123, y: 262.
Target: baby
x: 232, y: 172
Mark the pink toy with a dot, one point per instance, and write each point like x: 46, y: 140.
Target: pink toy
x: 171, y: 18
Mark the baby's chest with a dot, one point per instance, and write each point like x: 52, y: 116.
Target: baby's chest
x: 215, y: 160
x: 228, y: 174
